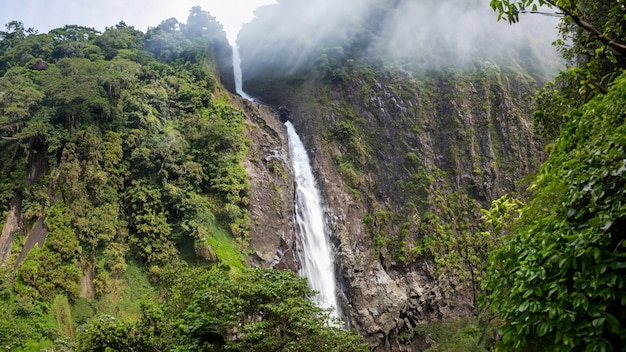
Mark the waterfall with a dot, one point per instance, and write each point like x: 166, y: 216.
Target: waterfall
x: 315, y: 252
x: 237, y: 73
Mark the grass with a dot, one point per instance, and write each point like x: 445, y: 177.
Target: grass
x: 226, y: 248
x: 453, y: 335
x: 124, y: 298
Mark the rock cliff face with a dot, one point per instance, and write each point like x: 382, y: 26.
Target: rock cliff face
x: 405, y: 162
x: 271, y: 187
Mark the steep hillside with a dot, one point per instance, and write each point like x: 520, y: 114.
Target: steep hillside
x: 406, y: 155
x: 405, y: 164
x: 134, y: 188
x: 145, y: 207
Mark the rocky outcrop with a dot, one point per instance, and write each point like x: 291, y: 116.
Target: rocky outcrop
x: 39, y: 65
x: 11, y: 225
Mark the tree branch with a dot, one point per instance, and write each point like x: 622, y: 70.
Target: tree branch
x: 544, y: 13
x: 614, y: 44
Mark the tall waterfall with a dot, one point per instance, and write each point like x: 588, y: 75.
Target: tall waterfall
x: 316, y: 256
x: 237, y: 74
x: 316, y: 253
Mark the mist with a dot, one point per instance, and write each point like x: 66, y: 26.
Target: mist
x: 455, y: 33
x: 294, y: 34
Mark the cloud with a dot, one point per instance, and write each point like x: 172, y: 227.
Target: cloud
x: 458, y: 32
x: 429, y: 33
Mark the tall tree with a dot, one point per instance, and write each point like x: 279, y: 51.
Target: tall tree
x: 120, y: 37
x: 18, y: 101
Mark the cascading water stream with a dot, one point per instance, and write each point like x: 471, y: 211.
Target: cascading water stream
x: 315, y: 252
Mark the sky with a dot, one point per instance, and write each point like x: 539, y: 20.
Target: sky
x: 45, y: 15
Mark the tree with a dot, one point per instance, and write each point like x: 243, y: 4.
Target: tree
x: 120, y: 37
x: 557, y: 283
x: 576, y: 11
x: 201, y: 24
x: 23, y: 322
x: 593, y: 36
x: 19, y: 45
x: 75, y: 41
x: 592, y: 40
x: 18, y: 100
x: 151, y: 232
x: 75, y: 87
x: 210, y: 310
x: 74, y: 33
x: 166, y: 41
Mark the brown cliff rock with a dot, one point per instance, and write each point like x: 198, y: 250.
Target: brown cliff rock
x: 271, y: 188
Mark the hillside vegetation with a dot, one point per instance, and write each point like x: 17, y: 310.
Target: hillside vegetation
x: 122, y: 182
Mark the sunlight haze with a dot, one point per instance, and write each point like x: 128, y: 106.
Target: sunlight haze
x: 50, y: 14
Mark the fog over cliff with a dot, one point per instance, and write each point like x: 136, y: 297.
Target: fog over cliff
x: 425, y: 33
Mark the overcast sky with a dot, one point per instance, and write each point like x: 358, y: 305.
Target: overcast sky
x: 45, y: 15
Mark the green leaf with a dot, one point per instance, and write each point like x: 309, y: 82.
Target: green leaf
x: 524, y: 306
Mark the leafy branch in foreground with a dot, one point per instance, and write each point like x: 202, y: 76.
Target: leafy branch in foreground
x: 574, y: 10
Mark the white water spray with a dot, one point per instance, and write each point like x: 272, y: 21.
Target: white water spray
x: 316, y: 254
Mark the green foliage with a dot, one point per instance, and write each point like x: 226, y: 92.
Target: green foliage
x: 593, y: 38
x: 258, y: 310
x: 123, y: 299
x: 459, y: 252
x: 454, y: 335
x: 118, y: 38
x: 558, y: 280
x: 197, y: 223
x: 18, y: 45
x: 23, y: 321
x: 63, y: 315
x: 107, y: 333
x: 127, y: 155
x: 502, y: 215
x: 52, y: 268
x: 83, y: 310
x: 61, y: 234
x: 18, y: 103
x: 150, y: 231
x: 343, y: 130
x: 219, y: 147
